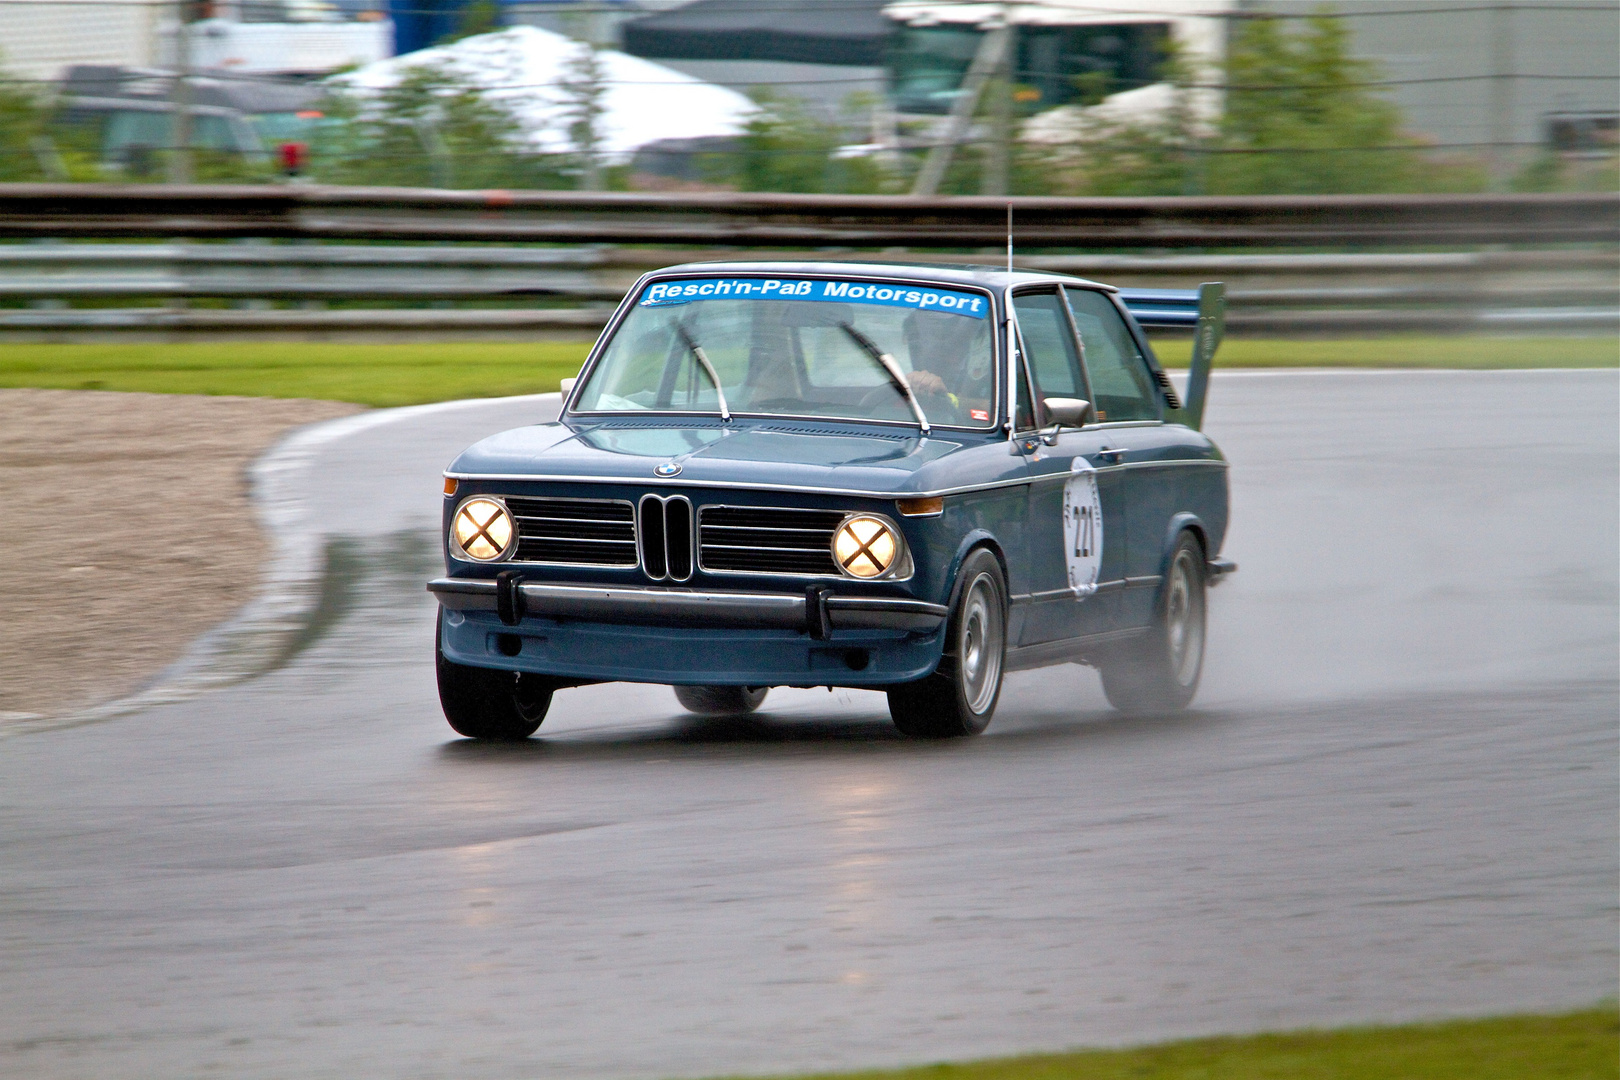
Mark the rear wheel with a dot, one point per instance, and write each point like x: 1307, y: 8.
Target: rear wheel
x: 1159, y: 672
x: 721, y: 700
x: 496, y: 706
x: 960, y: 697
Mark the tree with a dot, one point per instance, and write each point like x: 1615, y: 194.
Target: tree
x: 27, y: 151
x: 1295, y: 115
x: 584, y: 92
x: 34, y: 145
x: 1299, y: 117
x: 433, y: 128
x: 786, y: 148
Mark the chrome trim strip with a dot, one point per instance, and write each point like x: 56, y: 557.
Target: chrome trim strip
x: 755, y: 547
x: 1171, y: 463
x: 578, y: 539
x: 726, y: 485
x: 763, y: 528
x: 1058, y: 594
x: 582, y: 565
x: 1145, y: 582
x: 706, y: 610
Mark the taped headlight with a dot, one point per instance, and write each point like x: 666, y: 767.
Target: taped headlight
x: 482, y: 530
x: 865, y: 546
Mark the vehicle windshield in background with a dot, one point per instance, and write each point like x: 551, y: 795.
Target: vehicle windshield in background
x: 785, y: 347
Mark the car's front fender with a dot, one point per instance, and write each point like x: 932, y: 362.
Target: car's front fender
x: 974, y: 538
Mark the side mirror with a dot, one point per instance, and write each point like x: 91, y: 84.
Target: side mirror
x: 568, y: 385
x: 1069, y: 412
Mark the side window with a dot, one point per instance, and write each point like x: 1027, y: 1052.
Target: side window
x: 1119, y: 374
x: 1050, y: 343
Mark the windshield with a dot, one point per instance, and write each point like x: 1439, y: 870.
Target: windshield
x: 794, y: 347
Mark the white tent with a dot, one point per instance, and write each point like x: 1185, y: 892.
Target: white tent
x: 522, y: 66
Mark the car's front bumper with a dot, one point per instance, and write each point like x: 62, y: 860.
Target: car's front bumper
x: 687, y: 607
x: 667, y: 635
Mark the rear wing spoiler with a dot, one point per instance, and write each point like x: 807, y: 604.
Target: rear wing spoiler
x: 1204, y: 312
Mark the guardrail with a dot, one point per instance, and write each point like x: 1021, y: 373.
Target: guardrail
x: 483, y: 290
x: 754, y: 220
x: 570, y: 291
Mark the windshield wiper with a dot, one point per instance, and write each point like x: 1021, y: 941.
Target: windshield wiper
x: 896, y: 376
x: 708, y: 369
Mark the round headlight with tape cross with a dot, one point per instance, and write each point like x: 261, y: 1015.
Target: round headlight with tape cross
x: 482, y: 530
x: 865, y: 546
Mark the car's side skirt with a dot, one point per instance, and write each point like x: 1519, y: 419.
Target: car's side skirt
x: 1068, y: 651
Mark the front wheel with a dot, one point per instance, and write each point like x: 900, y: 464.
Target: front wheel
x: 960, y: 697
x: 721, y: 700
x: 496, y: 706
x: 1159, y: 672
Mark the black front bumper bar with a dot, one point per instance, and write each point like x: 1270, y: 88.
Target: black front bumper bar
x: 815, y: 611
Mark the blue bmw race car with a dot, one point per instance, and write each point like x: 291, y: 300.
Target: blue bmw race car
x: 903, y: 478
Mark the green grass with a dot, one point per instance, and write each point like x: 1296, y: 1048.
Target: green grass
x: 1576, y: 1046
x: 407, y: 374
x: 383, y: 374
x: 1409, y: 351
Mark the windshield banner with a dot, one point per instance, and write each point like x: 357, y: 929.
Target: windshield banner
x: 920, y: 297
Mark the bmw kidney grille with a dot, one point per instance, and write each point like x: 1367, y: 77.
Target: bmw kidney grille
x: 666, y: 537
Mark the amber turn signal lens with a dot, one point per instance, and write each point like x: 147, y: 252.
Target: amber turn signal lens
x: 921, y: 507
x: 450, y: 485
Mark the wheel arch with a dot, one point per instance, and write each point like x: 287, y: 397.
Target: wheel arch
x: 971, y: 542
x: 1184, y: 522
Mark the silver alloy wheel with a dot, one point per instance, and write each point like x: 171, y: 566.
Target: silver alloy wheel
x: 1184, y: 620
x: 979, y: 645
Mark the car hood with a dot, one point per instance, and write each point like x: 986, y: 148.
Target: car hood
x: 718, y: 454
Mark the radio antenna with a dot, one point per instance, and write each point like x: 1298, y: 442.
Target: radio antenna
x: 1009, y: 238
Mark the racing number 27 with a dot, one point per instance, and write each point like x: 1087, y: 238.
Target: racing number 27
x: 1085, y: 530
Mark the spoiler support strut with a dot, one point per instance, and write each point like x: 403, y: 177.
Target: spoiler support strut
x: 1211, y: 329
x: 1177, y: 309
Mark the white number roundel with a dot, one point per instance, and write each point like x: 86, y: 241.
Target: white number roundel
x: 1082, y: 529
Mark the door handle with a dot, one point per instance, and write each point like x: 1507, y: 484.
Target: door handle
x: 1115, y: 455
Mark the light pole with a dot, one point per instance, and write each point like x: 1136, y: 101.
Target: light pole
x: 180, y: 171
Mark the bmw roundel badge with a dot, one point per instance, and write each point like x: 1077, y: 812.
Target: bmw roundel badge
x: 668, y: 468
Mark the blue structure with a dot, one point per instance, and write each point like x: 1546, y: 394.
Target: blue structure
x: 902, y: 478
x: 421, y: 24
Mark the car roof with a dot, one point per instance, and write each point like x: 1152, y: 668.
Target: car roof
x: 991, y: 277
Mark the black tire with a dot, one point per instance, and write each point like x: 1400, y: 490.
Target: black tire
x: 960, y: 697
x: 1159, y: 672
x: 721, y: 700
x: 496, y: 706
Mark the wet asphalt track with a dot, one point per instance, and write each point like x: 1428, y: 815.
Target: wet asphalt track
x: 1396, y: 798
